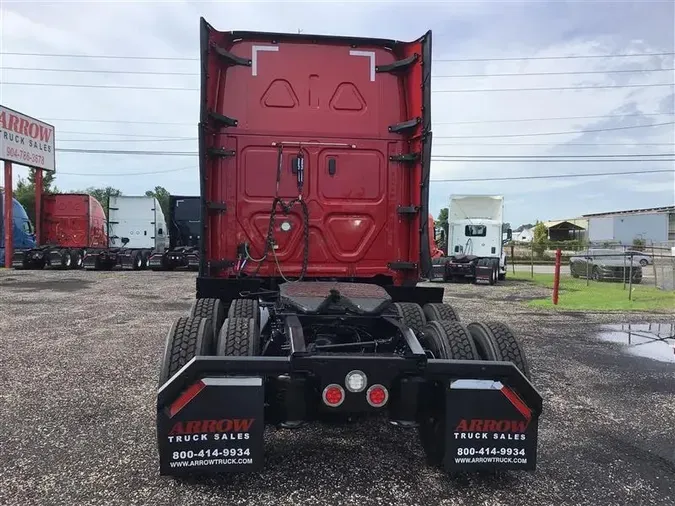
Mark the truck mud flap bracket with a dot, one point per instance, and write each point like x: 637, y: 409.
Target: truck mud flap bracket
x: 215, y: 425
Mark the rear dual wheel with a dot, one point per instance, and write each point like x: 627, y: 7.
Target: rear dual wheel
x: 451, y: 340
x: 206, y: 332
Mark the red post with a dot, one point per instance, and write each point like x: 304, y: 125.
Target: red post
x: 38, y: 205
x: 556, y: 276
x: 9, y: 218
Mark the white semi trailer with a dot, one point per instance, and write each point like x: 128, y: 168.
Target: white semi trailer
x: 475, y: 239
x: 136, y: 230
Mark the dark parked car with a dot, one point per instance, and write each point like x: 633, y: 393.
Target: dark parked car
x: 605, y: 264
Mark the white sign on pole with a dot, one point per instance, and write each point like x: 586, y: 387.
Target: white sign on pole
x: 26, y: 141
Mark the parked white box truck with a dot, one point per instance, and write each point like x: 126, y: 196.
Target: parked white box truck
x: 475, y: 239
x: 136, y: 230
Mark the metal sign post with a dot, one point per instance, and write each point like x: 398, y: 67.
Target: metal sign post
x: 9, y: 218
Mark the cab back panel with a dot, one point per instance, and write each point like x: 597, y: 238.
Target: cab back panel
x: 322, y: 97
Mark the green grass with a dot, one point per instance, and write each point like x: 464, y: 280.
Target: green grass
x: 598, y: 296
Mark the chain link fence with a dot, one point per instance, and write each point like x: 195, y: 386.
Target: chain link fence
x: 584, y: 265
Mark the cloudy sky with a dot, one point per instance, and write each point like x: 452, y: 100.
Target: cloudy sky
x: 491, y: 122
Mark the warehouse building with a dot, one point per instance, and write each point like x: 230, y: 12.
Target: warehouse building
x: 653, y: 225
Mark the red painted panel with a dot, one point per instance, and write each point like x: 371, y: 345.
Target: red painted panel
x: 325, y: 100
x: 73, y: 221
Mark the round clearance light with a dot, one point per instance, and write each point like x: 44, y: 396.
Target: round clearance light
x: 356, y: 381
x: 285, y: 226
x: 333, y: 395
x: 377, y: 396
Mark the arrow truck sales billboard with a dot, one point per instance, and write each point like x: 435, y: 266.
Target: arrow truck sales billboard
x: 26, y: 141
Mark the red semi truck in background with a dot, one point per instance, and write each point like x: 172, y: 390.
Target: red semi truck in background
x: 70, y: 224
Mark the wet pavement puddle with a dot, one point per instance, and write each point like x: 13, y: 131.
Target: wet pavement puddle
x: 650, y: 340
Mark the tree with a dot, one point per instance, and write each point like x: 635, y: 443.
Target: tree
x: 162, y: 196
x: 25, y: 190
x: 540, y: 239
x: 102, y: 195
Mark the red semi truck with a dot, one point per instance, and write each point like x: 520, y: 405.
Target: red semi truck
x: 70, y: 224
x: 314, y: 165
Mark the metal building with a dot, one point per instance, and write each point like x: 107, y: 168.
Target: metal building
x: 652, y: 225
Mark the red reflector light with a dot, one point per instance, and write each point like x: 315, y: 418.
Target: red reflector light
x: 333, y: 395
x: 377, y: 396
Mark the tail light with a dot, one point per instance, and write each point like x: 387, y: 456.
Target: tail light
x: 377, y: 396
x: 333, y: 395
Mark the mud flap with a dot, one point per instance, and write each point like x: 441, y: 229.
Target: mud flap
x: 488, y: 427
x: 483, y: 274
x: 215, y: 425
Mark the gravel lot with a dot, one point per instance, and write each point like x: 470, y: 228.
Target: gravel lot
x: 79, y: 355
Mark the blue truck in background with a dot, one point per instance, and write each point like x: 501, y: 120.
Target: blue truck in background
x: 24, y: 232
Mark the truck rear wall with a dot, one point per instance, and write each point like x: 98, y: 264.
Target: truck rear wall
x: 184, y: 221
x: 331, y: 100
x: 139, y: 219
x: 73, y: 221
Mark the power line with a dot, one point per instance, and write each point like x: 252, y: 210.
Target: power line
x: 159, y: 139
x: 612, y: 155
x: 97, y: 71
x: 101, y: 86
x: 568, y: 132
x: 564, y: 57
x: 555, y: 118
x: 562, y: 88
x: 127, y: 152
x: 165, y: 88
x: 121, y: 121
x: 543, y: 159
x: 516, y: 120
x: 116, y: 135
x: 608, y: 129
x: 102, y: 57
x: 180, y: 58
x: 555, y: 145
x: 435, y: 76
x: 550, y: 176
x: 578, y: 72
x: 128, y: 174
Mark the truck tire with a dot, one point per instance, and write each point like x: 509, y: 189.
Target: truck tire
x: 76, y: 259
x: 445, y: 340
x: 238, y: 337
x: 434, y: 311
x: 411, y: 314
x: 503, y: 338
x: 66, y: 260
x: 245, y: 308
x: 211, y: 309
x: 485, y: 342
x: 145, y: 255
x: 137, y: 261
x: 188, y: 337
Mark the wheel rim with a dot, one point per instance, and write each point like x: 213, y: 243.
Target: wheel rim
x: 67, y: 261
